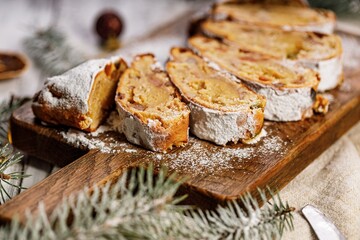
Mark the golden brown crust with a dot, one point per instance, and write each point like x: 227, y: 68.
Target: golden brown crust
x: 176, y: 135
x: 59, y: 117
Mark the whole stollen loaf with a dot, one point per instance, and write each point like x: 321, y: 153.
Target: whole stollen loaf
x: 222, y: 110
x: 81, y: 97
x: 150, y: 108
x: 290, y: 91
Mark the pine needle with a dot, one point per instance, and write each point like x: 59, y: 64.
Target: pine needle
x: 6, y: 109
x: 8, y: 156
x: 142, y: 206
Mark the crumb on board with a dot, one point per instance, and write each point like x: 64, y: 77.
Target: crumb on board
x: 193, y: 158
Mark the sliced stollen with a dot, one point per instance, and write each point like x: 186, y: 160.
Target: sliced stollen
x: 81, y: 97
x: 320, y: 52
x: 285, y: 17
x: 222, y: 110
x: 150, y: 107
x: 290, y: 91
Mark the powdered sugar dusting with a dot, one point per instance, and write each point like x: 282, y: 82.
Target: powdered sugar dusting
x: 71, y: 90
x: 200, y: 158
x: 102, y: 139
x: 196, y: 158
x: 271, y: 145
x: 83, y: 140
x: 101, y: 129
x: 104, y: 142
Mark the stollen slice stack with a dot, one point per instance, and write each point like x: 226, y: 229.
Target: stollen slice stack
x: 320, y: 52
x: 290, y: 91
x: 222, y: 110
x: 150, y: 108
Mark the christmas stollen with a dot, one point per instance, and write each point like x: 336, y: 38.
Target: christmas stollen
x: 81, y: 97
x: 320, y: 52
x: 290, y: 91
x: 285, y: 17
x: 150, y: 108
x: 222, y: 110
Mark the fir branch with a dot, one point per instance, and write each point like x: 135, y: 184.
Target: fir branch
x: 141, y: 206
x: 250, y: 222
x: 8, y: 156
x: 6, y: 109
x: 51, y: 52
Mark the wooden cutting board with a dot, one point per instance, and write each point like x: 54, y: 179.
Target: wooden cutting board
x: 214, y: 174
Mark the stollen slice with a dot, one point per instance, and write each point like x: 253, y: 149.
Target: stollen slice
x: 81, y: 97
x: 320, y: 52
x: 290, y: 91
x: 285, y: 17
x: 150, y: 108
x: 222, y: 110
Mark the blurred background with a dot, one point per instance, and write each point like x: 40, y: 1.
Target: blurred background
x: 75, y: 37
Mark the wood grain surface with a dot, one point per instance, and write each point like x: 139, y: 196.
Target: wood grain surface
x: 214, y: 174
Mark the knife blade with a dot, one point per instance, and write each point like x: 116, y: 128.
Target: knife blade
x: 323, y: 227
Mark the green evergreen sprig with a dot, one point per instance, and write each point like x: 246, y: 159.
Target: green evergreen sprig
x: 143, y: 206
x: 338, y: 6
x: 6, y: 109
x: 8, y: 156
